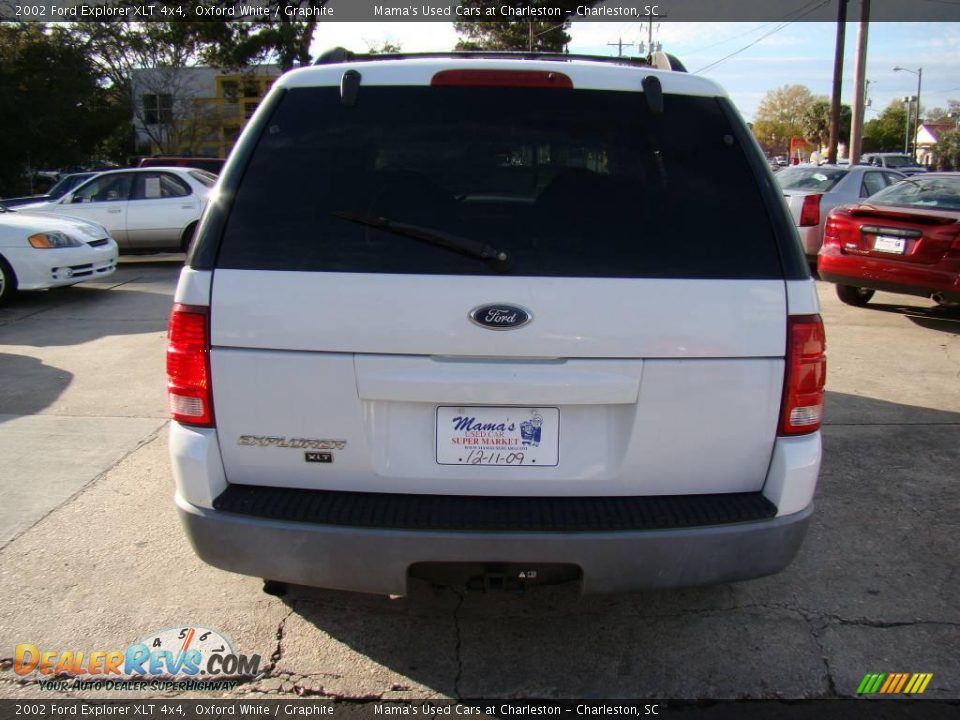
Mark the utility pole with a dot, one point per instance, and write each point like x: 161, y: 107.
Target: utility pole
x: 837, y: 82
x: 620, y: 45
x: 529, y: 36
x: 859, y: 85
x: 908, y: 103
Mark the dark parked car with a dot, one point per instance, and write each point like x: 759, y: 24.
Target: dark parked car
x: 64, y: 185
x: 905, y: 239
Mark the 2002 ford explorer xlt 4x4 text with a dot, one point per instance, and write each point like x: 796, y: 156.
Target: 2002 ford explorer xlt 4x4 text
x: 517, y: 319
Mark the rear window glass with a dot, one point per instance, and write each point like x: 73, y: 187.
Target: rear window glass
x: 820, y: 179
x: 565, y: 183
x: 936, y: 193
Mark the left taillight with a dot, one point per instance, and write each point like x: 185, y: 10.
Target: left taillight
x: 805, y: 375
x: 840, y: 229
x: 189, y: 394
x: 810, y: 212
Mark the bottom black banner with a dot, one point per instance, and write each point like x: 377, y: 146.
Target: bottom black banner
x: 436, y: 709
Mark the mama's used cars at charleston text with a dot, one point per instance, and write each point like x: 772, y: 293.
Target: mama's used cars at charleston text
x: 468, y: 317
x: 38, y: 252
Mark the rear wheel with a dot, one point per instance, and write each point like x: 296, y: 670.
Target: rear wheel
x: 854, y: 295
x: 8, y: 282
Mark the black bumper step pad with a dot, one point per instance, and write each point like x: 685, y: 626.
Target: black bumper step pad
x: 495, y: 514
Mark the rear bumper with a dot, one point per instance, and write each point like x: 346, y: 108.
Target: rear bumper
x: 378, y: 560
x: 890, y: 275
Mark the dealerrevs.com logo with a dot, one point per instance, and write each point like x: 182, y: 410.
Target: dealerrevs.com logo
x: 174, y: 657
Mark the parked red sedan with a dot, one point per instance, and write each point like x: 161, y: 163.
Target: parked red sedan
x: 905, y: 239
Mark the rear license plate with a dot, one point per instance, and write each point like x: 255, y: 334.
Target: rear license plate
x: 882, y: 243
x: 498, y: 436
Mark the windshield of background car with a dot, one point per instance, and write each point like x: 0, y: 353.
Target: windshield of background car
x: 567, y: 183
x: 817, y: 179
x: 68, y: 183
x: 936, y: 193
x: 896, y: 161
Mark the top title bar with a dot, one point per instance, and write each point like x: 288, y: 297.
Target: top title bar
x: 467, y: 10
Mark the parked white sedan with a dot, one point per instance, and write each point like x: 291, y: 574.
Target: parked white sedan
x: 143, y: 208
x: 42, y: 251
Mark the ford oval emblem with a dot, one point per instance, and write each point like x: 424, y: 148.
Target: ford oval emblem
x: 500, y: 316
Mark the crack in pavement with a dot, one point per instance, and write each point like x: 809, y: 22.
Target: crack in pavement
x: 459, y: 644
x: 277, y: 654
x: 67, y: 301
x: 89, y: 484
x: 815, y: 634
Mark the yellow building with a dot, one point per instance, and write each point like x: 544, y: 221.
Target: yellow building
x: 195, y: 110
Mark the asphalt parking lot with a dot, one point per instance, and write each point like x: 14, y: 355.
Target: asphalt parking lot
x: 92, y: 555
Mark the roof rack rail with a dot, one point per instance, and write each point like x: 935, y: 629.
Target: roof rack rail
x: 659, y: 60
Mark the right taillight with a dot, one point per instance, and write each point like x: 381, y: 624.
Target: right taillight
x: 810, y: 212
x: 805, y: 375
x: 189, y: 395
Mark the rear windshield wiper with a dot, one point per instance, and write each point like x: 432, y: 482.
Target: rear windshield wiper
x: 498, y: 259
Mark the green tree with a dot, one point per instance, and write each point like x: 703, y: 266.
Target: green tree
x: 118, y: 48
x: 151, y: 55
x: 384, y: 48
x: 284, y: 38
x: 779, y: 117
x: 53, y: 111
x: 815, y: 121
x: 939, y: 114
x: 887, y: 132
x: 948, y: 150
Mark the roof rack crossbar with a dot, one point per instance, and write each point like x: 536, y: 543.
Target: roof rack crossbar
x: 340, y: 55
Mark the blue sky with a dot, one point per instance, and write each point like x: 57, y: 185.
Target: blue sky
x: 800, y: 53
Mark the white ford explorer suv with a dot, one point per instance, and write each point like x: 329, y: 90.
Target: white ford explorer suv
x: 503, y: 319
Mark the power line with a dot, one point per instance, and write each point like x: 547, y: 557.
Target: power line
x: 619, y: 44
x: 819, y: 5
x: 738, y: 36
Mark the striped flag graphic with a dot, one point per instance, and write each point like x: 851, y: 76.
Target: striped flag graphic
x: 894, y: 683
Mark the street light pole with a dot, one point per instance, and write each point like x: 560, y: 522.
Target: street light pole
x: 907, y: 101
x: 916, y: 132
x: 919, y: 73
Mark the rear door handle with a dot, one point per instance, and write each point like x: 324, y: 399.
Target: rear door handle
x: 113, y: 210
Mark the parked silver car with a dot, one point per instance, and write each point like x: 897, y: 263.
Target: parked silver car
x: 812, y: 191
x: 143, y: 208
x: 901, y: 162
